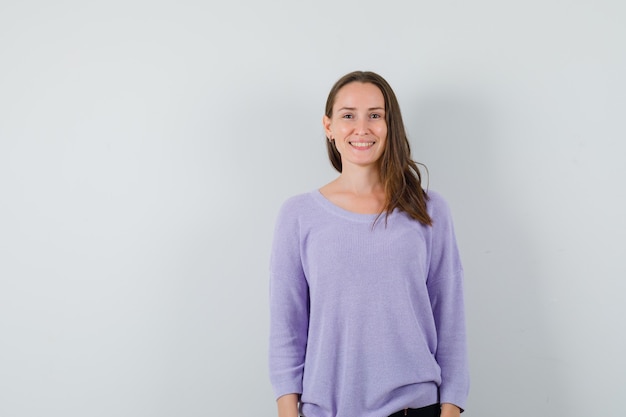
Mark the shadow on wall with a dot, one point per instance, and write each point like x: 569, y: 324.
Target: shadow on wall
x: 513, y: 358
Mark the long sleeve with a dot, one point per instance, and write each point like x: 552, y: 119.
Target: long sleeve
x: 445, y: 288
x: 289, y: 306
x: 366, y: 317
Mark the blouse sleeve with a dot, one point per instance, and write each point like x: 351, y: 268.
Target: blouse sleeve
x: 445, y: 288
x: 289, y: 305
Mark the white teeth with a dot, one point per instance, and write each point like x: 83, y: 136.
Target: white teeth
x: 361, y: 144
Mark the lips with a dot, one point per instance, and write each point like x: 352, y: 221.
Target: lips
x: 362, y: 145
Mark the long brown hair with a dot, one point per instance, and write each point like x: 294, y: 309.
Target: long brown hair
x: 400, y: 175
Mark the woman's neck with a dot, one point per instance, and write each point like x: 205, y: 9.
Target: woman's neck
x: 360, y: 181
x: 362, y: 193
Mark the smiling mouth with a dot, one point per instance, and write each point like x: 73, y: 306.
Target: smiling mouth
x: 362, y: 145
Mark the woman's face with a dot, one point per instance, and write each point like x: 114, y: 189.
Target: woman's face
x: 358, y: 124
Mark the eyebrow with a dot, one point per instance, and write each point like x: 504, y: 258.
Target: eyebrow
x: 354, y: 108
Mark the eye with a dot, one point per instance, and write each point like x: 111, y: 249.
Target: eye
x: 347, y: 116
x: 375, y: 116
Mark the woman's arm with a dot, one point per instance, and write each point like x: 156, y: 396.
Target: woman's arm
x: 445, y: 289
x: 289, y: 310
x: 288, y: 405
x: 450, y: 410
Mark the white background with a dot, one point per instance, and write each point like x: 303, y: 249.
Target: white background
x: 145, y: 148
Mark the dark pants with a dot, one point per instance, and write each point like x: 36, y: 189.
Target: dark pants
x: 430, y: 411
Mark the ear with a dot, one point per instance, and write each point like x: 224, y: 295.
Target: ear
x: 327, y: 129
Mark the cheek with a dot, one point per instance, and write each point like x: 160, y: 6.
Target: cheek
x: 342, y: 127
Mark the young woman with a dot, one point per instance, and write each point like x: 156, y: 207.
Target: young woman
x: 367, y: 316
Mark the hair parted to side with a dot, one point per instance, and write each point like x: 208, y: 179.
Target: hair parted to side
x: 400, y: 175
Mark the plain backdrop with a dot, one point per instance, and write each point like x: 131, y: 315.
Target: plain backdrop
x: 145, y: 148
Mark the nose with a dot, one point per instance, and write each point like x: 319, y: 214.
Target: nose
x: 362, y: 128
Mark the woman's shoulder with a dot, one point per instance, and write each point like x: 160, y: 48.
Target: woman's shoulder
x: 297, y: 201
x: 294, y: 206
x: 437, y: 204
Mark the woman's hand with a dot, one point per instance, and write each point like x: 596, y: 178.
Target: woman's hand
x: 450, y: 410
x: 288, y: 405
